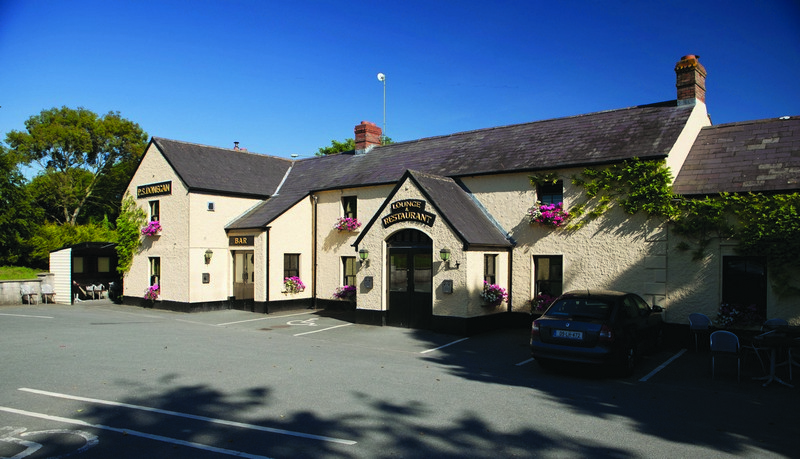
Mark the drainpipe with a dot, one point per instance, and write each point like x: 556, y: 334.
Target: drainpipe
x: 266, y: 270
x: 314, y: 254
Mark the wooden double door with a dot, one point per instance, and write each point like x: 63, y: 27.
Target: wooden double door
x: 410, y: 280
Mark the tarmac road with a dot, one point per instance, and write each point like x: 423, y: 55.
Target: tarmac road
x: 99, y: 380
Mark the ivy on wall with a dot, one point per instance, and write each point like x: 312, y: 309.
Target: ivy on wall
x: 763, y: 225
x: 129, y: 223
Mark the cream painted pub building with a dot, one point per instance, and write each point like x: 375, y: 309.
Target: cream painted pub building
x: 439, y: 217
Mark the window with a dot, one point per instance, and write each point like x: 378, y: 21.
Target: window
x: 549, y: 275
x: 291, y: 265
x: 103, y: 264
x: 744, y: 283
x: 490, y: 268
x: 155, y: 271
x: 349, y: 206
x: 155, y: 211
x: 349, y: 271
x: 77, y: 264
x: 550, y: 193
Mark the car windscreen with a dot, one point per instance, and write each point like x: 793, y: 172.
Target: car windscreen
x: 577, y: 308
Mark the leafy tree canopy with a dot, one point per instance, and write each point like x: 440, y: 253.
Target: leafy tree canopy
x: 77, y: 151
x: 18, y: 217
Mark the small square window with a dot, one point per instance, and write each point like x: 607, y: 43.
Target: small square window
x: 550, y: 193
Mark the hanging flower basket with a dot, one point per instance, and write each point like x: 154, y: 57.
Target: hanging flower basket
x: 548, y: 214
x: 293, y: 285
x: 347, y: 224
x: 493, y: 294
x: 739, y: 315
x: 345, y: 292
x: 152, y: 229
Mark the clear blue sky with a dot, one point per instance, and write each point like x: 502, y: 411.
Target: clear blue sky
x: 286, y: 77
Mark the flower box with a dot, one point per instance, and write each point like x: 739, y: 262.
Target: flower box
x: 548, y: 214
x: 151, y: 293
x: 293, y: 285
x: 345, y: 292
x: 153, y: 228
x: 493, y: 294
x: 347, y: 224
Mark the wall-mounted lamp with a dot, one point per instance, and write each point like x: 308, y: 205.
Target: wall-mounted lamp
x: 444, y: 254
x: 208, y: 256
x: 363, y: 255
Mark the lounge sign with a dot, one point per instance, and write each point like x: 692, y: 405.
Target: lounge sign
x: 409, y: 210
x: 154, y: 189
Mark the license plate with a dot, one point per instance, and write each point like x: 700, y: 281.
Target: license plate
x: 568, y: 334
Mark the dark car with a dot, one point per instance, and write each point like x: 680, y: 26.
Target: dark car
x: 599, y: 327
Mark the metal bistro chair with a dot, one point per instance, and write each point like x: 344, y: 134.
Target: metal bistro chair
x: 725, y: 343
x: 751, y: 346
x: 698, y: 324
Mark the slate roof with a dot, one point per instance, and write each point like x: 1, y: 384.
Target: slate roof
x: 223, y: 171
x: 751, y: 156
x: 453, y: 204
x: 646, y: 132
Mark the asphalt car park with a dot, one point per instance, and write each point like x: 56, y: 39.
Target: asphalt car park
x: 308, y: 383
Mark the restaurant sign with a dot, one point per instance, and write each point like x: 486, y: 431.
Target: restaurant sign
x: 409, y: 210
x: 154, y: 189
x: 236, y: 241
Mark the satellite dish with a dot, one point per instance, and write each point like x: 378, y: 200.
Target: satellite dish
x: 381, y: 77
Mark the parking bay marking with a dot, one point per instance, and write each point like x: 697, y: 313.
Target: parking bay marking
x: 28, y: 316
x: 134, y: 433
x: 444, y: 346
x: 192, y: 416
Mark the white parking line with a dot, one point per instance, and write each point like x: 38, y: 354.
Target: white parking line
x: 662, y: 366
x: 322, y: 330
x: 263, y: 318
x: 442, y: 347
x: 25, y: 315
x: 134, y: 433
x: 524, y: 362
x: 191, y: 416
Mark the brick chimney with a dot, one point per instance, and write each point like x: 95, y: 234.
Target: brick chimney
x: 368, y: 135
x: 691, y: 80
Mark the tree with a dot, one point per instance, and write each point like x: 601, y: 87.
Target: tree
x: 347, y: 145
x: 18, y: 217
x: 76, y: 149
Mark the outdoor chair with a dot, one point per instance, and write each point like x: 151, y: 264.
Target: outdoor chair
x: 725, y: 344
x: 48, y: 293
x: 751, y: 347
x: 699, y: 324
x: 28, y: 295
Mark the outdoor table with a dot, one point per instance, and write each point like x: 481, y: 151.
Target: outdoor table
x: 779, y: 338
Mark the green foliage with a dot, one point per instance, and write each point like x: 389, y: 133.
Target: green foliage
x: 17, y: 273
x: 763, y: 225
x: 18, y: 216
x: 337, y: 147
x: 129, y: 223
x: 52, y: 236
x: 347, y: 145
x: 549, y: 178
x: 700, y: 220
x: 75, y: 149
x: 636, y: 185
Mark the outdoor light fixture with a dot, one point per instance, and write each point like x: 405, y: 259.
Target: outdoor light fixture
x: 208, y: 256
x: 444, y: 254
x: 363, y: 254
